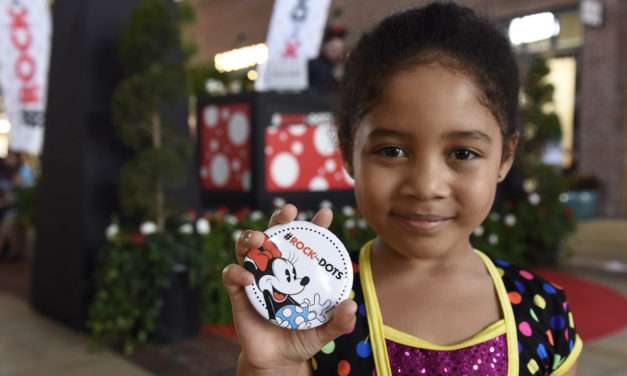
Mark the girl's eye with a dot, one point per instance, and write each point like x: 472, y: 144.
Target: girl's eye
x: 392, y: 152
x: 465, y: 154
x: 287, y: 274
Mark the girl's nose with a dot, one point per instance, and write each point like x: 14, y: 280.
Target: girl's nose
x: 427, y: 180
x: 304, y: 281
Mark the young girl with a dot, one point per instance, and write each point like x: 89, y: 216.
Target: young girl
x: 427, y: 127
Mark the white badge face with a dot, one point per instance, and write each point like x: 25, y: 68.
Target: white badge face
x: 302, y: 271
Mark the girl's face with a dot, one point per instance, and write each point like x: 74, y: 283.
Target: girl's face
x: 426, y: 161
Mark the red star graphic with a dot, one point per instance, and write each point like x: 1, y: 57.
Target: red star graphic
x: 291, y: 48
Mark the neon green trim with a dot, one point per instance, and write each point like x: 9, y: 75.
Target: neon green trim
x: 492, y: 331
x: 375, y: 322
x: 570, y: 359
x: 508, y: 315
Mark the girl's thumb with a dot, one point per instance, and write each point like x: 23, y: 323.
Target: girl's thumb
x: 342, y: 322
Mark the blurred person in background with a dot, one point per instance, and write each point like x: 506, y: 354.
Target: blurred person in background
x: 15, y: 174
x: 327, y: 69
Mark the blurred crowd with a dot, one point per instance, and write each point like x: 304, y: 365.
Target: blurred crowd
x: 16, y: 178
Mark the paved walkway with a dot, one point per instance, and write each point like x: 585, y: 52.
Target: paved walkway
x: 31, y: 345
x: 600, y: 254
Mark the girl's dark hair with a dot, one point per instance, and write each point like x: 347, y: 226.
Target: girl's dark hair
x: 449, y: 34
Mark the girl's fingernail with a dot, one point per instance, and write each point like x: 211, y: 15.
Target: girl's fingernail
x: 248, y: 234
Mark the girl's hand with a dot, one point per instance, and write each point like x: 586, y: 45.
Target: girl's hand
x: 266, y: 348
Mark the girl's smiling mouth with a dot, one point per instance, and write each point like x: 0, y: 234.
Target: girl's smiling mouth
x: 422, y: 223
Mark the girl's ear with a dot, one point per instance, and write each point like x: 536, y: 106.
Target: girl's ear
x: 509, y: 152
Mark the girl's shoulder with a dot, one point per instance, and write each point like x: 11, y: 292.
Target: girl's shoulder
x: 544, y: 321
x: 526, y: 288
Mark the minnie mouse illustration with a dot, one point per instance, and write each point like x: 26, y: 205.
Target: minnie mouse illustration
x: 277, y: 278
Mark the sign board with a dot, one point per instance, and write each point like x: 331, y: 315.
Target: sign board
x: 25, y: 32
x: 294, y: 36
x: 591, y: 13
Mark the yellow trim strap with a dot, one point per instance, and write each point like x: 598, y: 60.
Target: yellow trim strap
x: 375, y: 322
x: 508, y: 315
x: 571, y: 359
x: 378, y: 331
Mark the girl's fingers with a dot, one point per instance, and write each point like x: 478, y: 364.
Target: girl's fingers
x: 234, y: 277
x: 323, y: 217
x: 248, y: 239
x: 342, y: 321
x: 284, y: 215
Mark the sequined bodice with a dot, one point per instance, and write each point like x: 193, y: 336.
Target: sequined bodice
x: 488, y: 358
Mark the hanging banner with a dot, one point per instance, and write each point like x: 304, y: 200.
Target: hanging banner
x: 294, y: 37
x: 25, y: 32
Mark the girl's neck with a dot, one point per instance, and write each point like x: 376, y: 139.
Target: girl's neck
x: 458, y: 259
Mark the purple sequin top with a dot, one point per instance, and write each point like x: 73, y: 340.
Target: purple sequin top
x: 488, y: 358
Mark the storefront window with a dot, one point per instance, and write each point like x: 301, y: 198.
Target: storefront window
x: 571, y: 31
x: 560, y: 50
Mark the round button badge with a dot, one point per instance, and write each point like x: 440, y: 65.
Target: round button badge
x: 302, y: 271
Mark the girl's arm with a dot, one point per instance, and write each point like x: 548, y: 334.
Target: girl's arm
x: 245, y: 369
x: 267, y: 349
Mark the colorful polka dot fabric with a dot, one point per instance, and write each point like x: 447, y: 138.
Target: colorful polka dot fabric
x: 546, y: 328
x: 545, y: 341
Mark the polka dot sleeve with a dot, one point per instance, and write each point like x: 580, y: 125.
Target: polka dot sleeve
x: 547, y: 339
x: 566, y: 343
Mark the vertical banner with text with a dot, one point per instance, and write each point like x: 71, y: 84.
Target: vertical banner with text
x: 294, y: 37
x: 25, y: 35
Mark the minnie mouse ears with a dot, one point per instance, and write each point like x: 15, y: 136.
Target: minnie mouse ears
x: 261, y: 257
x: 302, y: 271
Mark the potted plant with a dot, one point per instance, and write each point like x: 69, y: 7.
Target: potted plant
x: 146, y: 278
x: 148, y: 285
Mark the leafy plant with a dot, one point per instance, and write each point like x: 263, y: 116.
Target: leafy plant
x: 542, y: 220
x: 154, y: 79
x: 126, y: 306
x: 135, y: 267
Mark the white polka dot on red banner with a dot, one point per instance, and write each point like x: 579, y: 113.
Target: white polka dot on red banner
x: 210, y: 114
x: 318, y: 184
x: 238, y: 129
x: 219, y: 170
x: 297, y: 148
x: 284, y: 170
x: 297, y: 129
x: 322, y: 140
x: 246, y: 181
x: 330, y: 165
